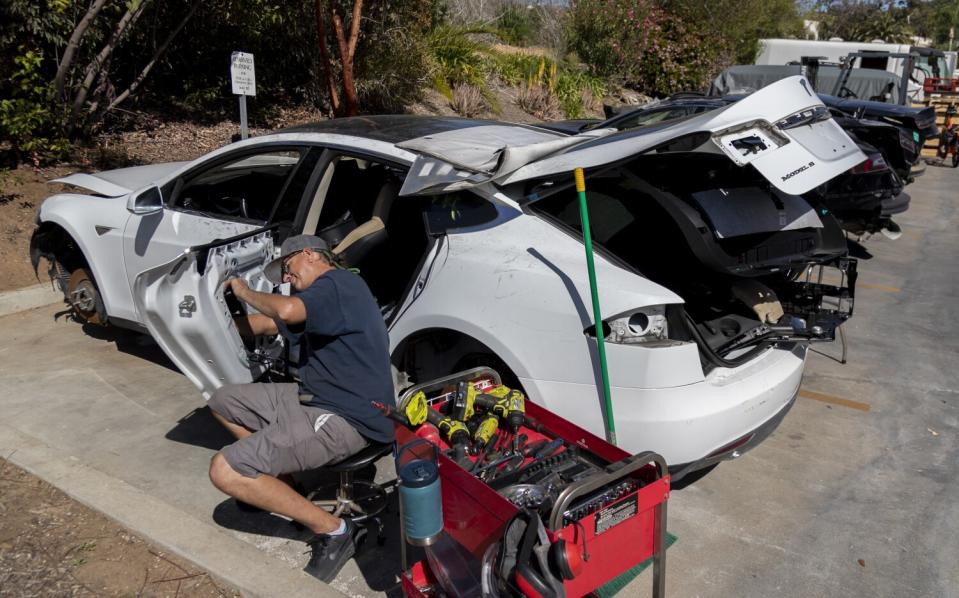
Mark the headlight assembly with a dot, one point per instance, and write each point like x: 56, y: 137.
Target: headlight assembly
x: 644, y: 325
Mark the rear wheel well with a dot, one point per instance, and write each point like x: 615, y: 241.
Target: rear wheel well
x: 436, y: 352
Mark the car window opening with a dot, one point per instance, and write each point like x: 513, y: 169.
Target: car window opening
x: 246, y: 188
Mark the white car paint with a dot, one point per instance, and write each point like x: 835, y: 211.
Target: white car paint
x: 518, y: 285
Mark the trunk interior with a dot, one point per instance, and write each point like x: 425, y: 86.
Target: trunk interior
x: 717, y: 235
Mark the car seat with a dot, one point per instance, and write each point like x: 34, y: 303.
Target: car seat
x: 369, y: 235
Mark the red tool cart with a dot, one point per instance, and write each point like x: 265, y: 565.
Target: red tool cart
x: 581, y: 516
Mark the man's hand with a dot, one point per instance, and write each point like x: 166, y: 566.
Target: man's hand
x: 237, y: 285
x: 289, y: 310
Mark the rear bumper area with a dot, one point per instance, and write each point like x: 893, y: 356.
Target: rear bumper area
x: 738, y: 447
x: 691, y: 423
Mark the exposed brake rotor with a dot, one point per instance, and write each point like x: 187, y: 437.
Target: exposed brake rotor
x: 84, y: 297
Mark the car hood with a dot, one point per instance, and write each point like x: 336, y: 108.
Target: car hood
x: 121, y: 181
x: 768, y: 130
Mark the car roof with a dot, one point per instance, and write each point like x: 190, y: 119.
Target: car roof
x: 397, y: 128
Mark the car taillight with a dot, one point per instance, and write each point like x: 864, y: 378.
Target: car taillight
x: 908, y: 139
x: 873, y: 163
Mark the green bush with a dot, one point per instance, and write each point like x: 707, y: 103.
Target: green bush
x: 517, y: 24
x: 28, y: 120
x: 458, y: 59
x: 514, y: 69
x: 573, y: 87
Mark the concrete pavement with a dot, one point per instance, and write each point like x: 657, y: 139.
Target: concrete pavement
x: 854, y: 494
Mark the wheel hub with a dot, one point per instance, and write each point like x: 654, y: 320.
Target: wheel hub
x: 83, y: 296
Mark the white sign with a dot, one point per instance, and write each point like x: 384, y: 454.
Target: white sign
x: 242, y: 74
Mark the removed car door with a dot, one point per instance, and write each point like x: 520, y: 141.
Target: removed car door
x: 184, y: 308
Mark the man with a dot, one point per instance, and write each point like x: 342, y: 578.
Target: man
x: 286, y: 428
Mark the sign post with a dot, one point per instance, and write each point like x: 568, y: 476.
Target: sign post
x: 243, y: 79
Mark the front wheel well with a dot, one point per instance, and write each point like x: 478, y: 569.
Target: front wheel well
x: 52, y: 242
x: 436, y: 352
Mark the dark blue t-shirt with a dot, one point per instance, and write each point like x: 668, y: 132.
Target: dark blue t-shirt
x: 344, y: 352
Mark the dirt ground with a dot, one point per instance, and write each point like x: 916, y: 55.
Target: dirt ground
x: 51, y: 545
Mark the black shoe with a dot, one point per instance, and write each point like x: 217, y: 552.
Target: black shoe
x: 246, y: 507
x: 330, y: 553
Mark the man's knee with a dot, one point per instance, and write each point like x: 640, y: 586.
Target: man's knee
x: 222, y: 473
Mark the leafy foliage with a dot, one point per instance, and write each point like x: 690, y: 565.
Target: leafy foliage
x: 28, y: 120
x: 864, y: 21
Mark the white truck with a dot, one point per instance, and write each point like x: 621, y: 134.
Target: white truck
x: 930, y: 62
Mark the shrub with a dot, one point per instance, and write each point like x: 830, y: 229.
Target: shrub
x: 28, y: 119
x: 578, y: 92
x: 467, y: 100
x: 457, y: 58
x: 518, y: 24
x: 538, y: 101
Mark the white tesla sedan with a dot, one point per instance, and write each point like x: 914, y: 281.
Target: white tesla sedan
x: 467, y: 232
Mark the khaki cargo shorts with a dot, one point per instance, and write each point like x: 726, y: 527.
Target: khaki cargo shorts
x: 288, y: 436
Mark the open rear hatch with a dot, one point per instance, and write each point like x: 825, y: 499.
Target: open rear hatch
x: 713, y: 212
x: 783, y: 131
x: 183, y: 306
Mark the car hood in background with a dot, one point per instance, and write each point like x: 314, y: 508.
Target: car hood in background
x: 114, y: 183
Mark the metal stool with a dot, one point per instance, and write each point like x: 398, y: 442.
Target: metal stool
x: 357, y: 499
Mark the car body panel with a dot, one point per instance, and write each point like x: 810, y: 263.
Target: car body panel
x: 545, y: 283
x: 114, y: 183
x: 805, y: 157
x: 183, y: 307
x: 707, y: 415
x: 96, y: 225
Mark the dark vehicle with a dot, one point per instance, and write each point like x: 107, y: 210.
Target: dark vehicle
x: 862, y: 199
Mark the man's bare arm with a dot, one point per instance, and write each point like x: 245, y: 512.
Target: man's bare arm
x: 256, y: 325
x: 289, y: 310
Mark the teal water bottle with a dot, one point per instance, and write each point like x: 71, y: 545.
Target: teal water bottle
x: 420, y: 496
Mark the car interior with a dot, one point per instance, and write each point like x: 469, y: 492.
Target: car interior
x: 245, y: 188
x: 356, y: 210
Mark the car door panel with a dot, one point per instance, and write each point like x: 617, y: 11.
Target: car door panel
x: 185, y: 310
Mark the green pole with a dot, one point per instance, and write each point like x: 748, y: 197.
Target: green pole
x: 594, y: 291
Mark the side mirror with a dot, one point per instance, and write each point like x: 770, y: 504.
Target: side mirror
x: 146, y: 202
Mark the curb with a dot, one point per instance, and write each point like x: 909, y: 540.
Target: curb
x: 232, y: 560
x: 26, y: 298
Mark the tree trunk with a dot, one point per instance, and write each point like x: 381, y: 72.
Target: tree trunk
x: 325, y: 61
x: 347, y: 49
x: 73, y: 45
x: 96, y: 69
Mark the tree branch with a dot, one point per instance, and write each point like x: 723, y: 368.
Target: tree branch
x: 74, y: 44
x: 355, y: 27
x: 95, y: 69
x: 156, y: 56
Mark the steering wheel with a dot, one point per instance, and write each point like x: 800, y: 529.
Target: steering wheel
x: 232, y: 206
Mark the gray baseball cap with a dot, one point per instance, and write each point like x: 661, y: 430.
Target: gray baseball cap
x: 274, y: 270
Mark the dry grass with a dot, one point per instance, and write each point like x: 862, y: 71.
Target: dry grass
x: 538, y: 101
x: 468, y: 100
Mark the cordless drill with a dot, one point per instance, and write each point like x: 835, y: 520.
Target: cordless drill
x: 507, y: 404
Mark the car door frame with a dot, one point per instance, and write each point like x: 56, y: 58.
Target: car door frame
x: 170, y: 215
